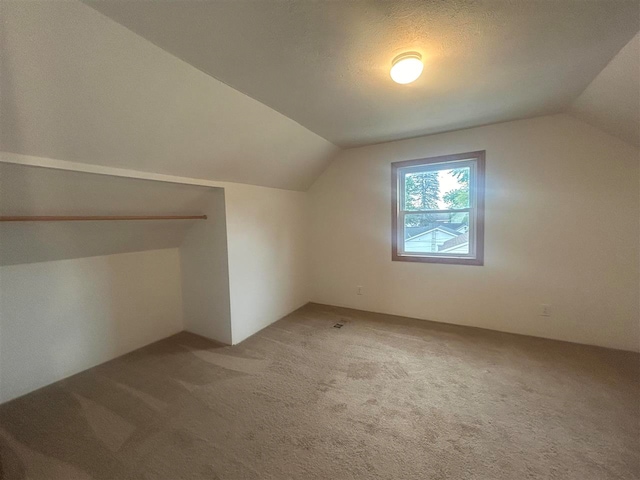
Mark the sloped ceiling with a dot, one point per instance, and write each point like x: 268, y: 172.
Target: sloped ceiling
x: 26, y: 190
x: 612, y: 101
x: 77, y: 86
x: 325, y: 64
x: 139, y: 85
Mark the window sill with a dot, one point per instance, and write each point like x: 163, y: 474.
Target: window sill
x: 446, y: 260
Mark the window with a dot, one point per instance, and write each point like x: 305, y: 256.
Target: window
x: 438, y: 209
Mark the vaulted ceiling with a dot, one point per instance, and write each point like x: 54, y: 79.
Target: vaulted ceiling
x: 612, y: 101
x: 77, y: 86
x: 262, y: 92
x: 325, y: 64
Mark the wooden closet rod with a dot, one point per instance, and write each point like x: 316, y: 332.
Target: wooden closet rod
x: 102, y: 217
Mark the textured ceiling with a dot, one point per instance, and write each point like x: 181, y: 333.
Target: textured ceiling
x: 612, y: 101
x: 325, y: 64
x: 78, y: 86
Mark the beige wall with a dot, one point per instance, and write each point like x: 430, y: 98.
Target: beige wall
x: 59, y: 318
x: 267, y: 242
x: 28, y: 190
x: 205, y: 273
x: 561, y: 229
x: 266, y: 238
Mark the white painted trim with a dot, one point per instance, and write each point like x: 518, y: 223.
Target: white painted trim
x: 30, y: 160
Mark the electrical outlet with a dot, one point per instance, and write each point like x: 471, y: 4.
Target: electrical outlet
x: 545, y: 310
x: 359, y: 290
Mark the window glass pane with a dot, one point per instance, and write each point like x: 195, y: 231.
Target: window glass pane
x: 445, y: 233
x: 421, y: 191
x: 454, y: 188
x: 437, y: 189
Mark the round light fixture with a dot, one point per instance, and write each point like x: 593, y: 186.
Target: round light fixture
x: 406, y: 67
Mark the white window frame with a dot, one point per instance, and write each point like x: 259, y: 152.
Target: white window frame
x: 476, y: 163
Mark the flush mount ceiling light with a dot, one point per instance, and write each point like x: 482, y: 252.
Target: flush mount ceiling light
x: 406, y: 67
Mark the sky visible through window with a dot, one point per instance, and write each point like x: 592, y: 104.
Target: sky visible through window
x: 437, y: 232
x: 448, y: 182
x: 437, y: 190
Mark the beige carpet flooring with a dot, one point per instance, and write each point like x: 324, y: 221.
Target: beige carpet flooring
x: 380, y: 398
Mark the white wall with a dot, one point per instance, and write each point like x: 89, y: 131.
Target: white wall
x: 59, y: 318
x: 267, y: 241
x: 28, y: 190
x: 205, y: 273
x: 562, y: 229
x: 268, y: 249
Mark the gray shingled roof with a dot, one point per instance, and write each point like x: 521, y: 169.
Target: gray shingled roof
x: 455, y: 241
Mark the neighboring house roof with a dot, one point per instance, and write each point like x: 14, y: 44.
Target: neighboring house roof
x: 455, y: 242
x: 413, y: 232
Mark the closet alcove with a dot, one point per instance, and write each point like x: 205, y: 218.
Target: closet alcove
x: 77, y: 293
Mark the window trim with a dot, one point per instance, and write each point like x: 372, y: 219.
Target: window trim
x: 478, y: 258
